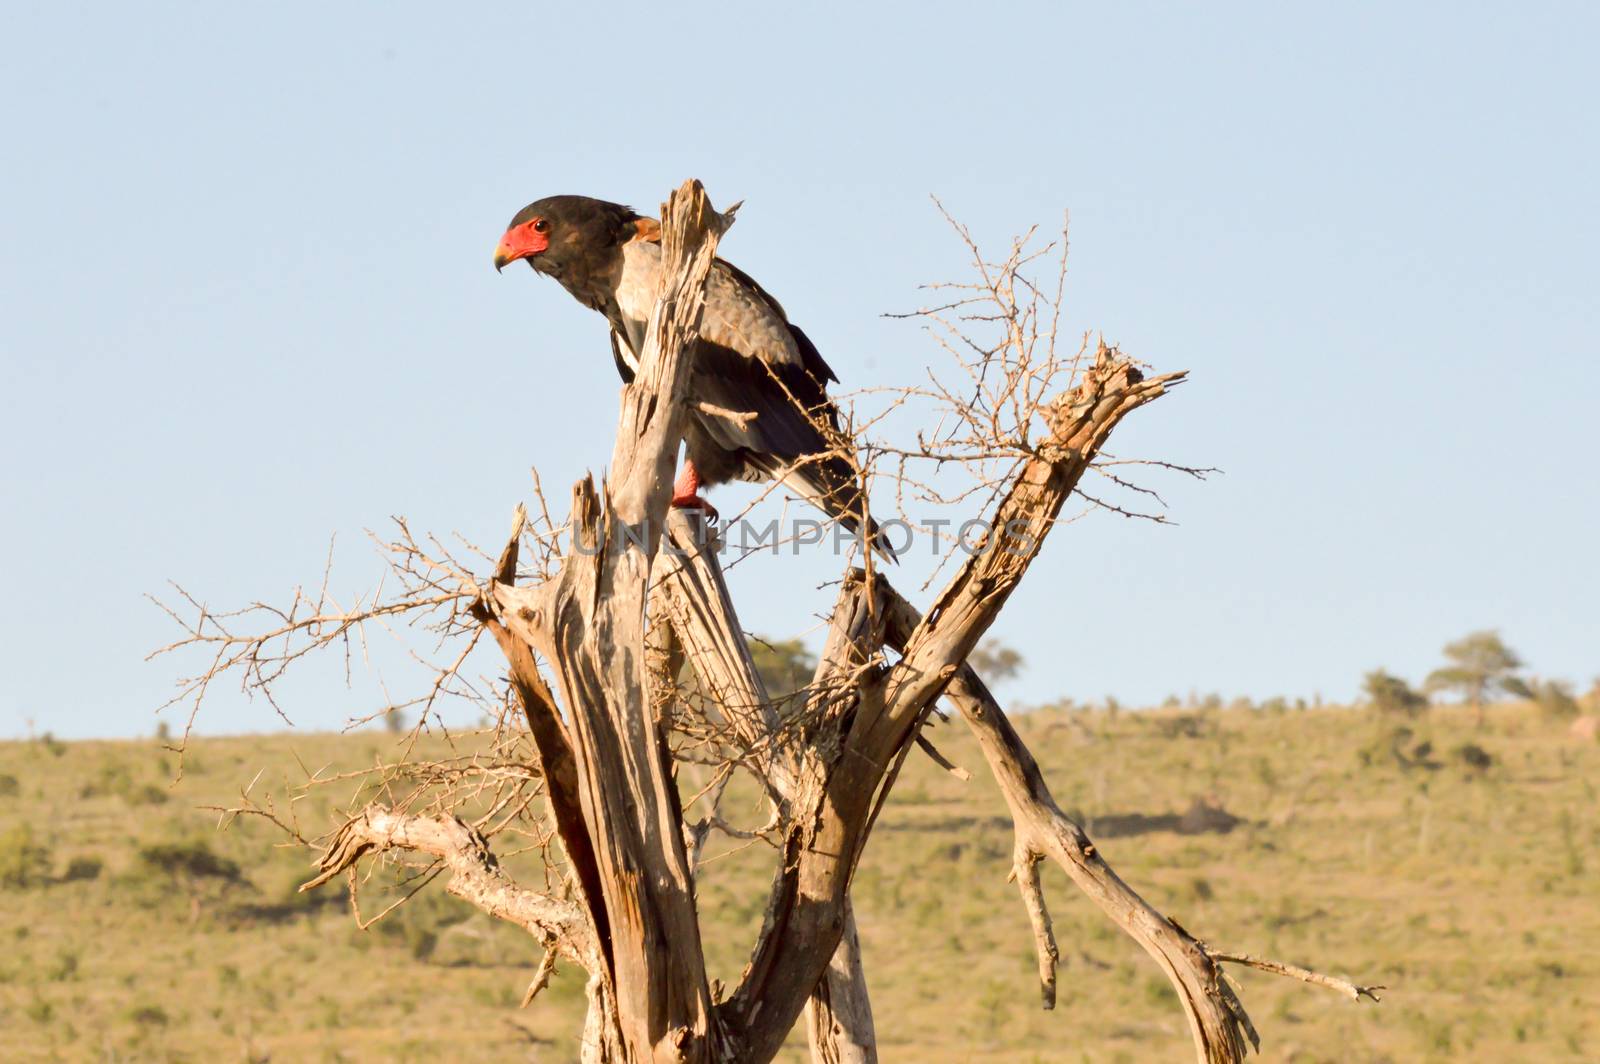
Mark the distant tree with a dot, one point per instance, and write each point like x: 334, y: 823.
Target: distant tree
x: 188, y: 866
x: 995, y: 661
x: 1390, y: 695
x: 188, y: 862
x: 785, y: 665
x: 1480, y: 665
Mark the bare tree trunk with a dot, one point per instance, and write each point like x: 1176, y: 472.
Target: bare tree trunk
x: 838, y: 1016
x: 1216, y: 1018
x: 701, y: 611
x: 590, y: 624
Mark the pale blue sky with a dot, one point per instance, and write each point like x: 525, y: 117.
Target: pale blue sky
x: 248, y: 303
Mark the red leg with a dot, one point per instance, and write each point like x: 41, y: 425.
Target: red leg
x: 685, y: 491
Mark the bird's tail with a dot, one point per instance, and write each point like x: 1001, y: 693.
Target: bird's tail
x: 829, y: 483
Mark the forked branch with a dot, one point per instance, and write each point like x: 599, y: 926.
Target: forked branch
x: 1217, y: 1018
x: 475, y: 875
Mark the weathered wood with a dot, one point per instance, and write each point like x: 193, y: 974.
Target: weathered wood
x: 838, y: 1013
x: 806, y: 915
x: 860, y: 730
x: 590, y: 624
x: 1216, y: 1017
x: 1079, y: 422
x: 475, y: 875
x: 694, y: 595
x: 551, y: 741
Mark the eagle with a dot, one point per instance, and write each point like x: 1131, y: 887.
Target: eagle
x: 762, y: 410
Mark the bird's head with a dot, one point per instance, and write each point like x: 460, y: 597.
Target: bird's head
x: 560, y: 235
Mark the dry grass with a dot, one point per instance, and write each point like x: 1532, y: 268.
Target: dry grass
x: 1468, y: 892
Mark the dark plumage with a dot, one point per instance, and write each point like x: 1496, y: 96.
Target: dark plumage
x: 751, y: 360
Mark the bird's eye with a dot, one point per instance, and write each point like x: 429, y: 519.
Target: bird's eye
x: 541, y: 226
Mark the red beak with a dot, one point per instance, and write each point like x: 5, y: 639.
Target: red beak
x: 520, y: 242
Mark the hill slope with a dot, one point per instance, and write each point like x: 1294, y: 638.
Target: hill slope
x: 133, y: 930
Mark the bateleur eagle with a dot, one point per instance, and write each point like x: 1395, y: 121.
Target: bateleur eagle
x: 750, y: 360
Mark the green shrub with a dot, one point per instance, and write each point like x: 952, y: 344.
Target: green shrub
x: 189, y: 860
x: 1474, y: 758
x: 418, y: 923
x: 148, y: 1016
x: 422, y: 941
x: 147, y: 794
x: 9, y: 786
x: 116, y: 780
x: 1399, y: 744
x: 24, y: 861
x: 83, y: 868
x: 1391, y: 695
x: 112, y: 778
x: 785, y: 665
x: 65, y: 968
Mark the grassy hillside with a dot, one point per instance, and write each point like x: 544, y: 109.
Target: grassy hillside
x: 133, y: 930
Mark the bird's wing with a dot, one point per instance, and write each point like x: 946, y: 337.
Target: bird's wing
x: 726, y: 277
x: 760, y: 386
x: 749, y: 404
x: 778, y: 427
x: 740, y: 314
x: 624, y: 365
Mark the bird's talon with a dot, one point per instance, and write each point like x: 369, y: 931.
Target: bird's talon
x: 695, y: 502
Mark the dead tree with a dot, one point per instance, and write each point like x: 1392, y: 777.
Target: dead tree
x: 635, y: 592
